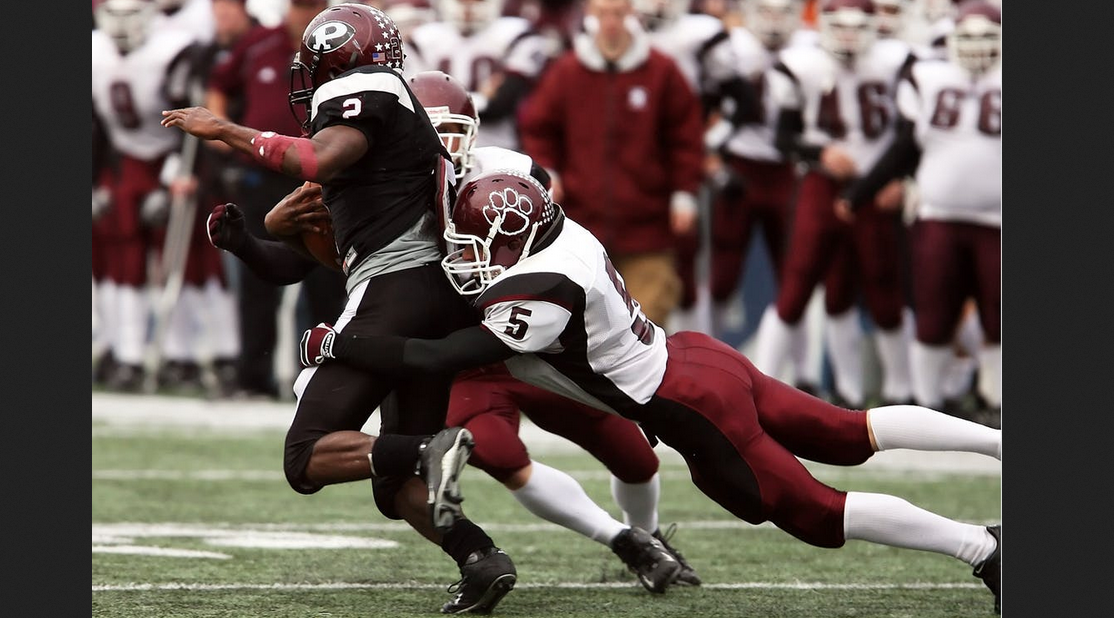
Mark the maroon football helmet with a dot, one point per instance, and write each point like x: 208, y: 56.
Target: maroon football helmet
x: 451, y: 110
x: 498, y: 218
x: 976, y: 41
x: 339, y: 39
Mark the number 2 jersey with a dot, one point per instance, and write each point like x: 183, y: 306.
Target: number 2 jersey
x: 388, y: 190
x: 566, y: 310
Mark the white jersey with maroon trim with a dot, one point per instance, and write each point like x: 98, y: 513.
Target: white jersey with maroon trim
x: 567, y: 311
x: 850, y: 106
x: 130, y: 92
x: 507, y: 45
x: 755, y: 140
x: 195, y: 17
x: 959, y: 128
x: 685, y: 39
x: 489, y: 158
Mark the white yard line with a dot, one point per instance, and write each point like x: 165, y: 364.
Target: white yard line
x: 113, y: 413
x: 531, y: 585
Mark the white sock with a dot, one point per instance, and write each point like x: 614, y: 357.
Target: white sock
x: 922, y: 429
x: 969, y: 336
x: 990, y: 374
x: 892, y: 521
x: 639, y: 501
x: 893, y: 352
x: 958, y: 374
x: 181, y: 332
x: 106, y: 313
x: 844, y: 335
x: 223, y: 323
x: 929, y: 363
x: 773, y: 342
x: 131, y: 325
x: 556, y: 497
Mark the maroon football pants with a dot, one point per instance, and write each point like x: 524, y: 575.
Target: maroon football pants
x: 120, y: 241
x: 488, y: 402
x: 741, y: 432
x: 846, y: 257
x: 955, y: 261
x: 769, y: 188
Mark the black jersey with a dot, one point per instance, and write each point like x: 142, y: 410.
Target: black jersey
x: 388, y: 190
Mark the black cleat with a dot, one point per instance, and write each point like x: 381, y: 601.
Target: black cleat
x: 647, y: 557
x: 486, y: 577
x: 687, y: 576
x: 441, y: 460
x: 990, y: 570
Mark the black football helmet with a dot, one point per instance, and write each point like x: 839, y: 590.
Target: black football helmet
x: 339, y: 39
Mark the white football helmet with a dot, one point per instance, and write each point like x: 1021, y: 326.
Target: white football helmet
x: 847, y: 27
x: 128, y: 22
x: 976, y: 41
x: 657, y: 14
x: 469, y: 15
x: 773, y: 21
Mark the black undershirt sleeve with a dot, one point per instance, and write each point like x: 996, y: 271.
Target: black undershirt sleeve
x: 900, y: 159
x: 273, y: 261
x: 747, y: 104
x: 464, y: 349
x: 540, y: 175
x: 790, y: 126
x: 506, y: 98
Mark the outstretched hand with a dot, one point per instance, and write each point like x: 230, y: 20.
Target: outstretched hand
x: 197, y: 121
x: 317, y: 345
x: 302, y: 210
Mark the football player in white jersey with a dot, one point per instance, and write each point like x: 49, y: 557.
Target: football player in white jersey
x: 138, y: 70
x: 556, y: 311
x: 837, y: 116
x: 496, y: 57
x: 700, y: 44
x: 950, y: 136
x: 766, y: 178
x: 488, y: 400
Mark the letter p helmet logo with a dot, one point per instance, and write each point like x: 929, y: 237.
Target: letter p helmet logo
x: 330, y: 36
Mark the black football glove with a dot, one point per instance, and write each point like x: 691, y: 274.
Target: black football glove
x: 225, y: 227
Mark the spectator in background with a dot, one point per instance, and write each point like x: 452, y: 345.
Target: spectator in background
x: 635, y: 126
x: 497, y: 57
x: 255, y: 77
x: 207, y: 302
x: 138, y: 70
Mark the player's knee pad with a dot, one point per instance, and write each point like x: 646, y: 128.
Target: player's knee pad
x: 498, y: 450
x: 813, y: 514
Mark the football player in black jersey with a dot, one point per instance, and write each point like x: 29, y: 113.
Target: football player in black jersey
x: 383, y: 172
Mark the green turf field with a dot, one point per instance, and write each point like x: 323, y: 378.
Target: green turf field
x: 195, y: 519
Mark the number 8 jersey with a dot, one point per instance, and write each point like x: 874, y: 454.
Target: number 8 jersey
x: 581, y: 334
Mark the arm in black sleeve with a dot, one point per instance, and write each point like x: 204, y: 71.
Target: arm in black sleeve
x: 790, y: 126
x: 540, y: 175
x: 273, y: 261
x: 505, y: 101
x: 900, y: 159
x: 745, y: 95
x: 464, y: 349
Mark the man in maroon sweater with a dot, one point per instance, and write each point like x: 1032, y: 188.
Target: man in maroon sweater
x: 619, y: 129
